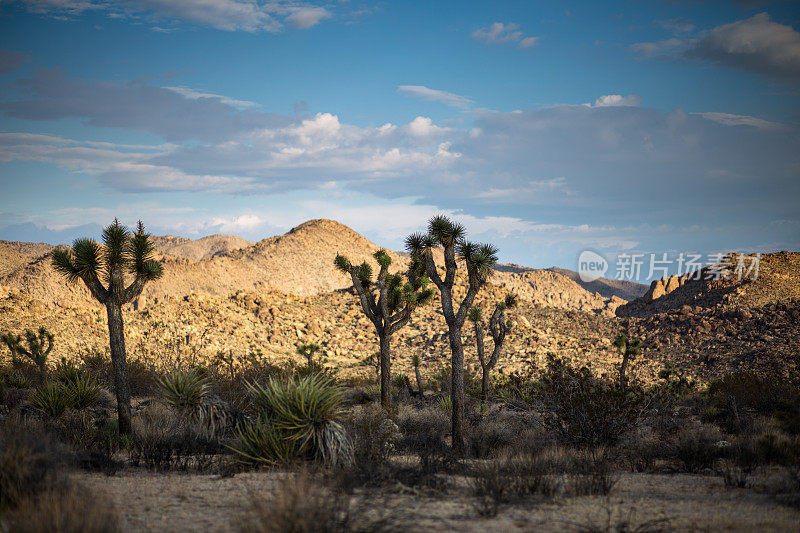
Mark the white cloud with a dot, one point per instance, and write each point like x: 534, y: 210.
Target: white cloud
x: 757, y: 44
x: 499, y: 32
x: 434, y: 95
x: 741, y: 120
x: 617, y: 100
x: 307, y: 17
x: 424, y: 127
x: 194, y: 94
x: 228, y: 15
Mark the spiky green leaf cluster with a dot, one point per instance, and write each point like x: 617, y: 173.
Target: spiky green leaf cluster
x: 475, y: 314
x: 304, y: 410
x: 121, y: 251
x: 629, y: 347
x: 382, y: 258
x: 183, y: 390
x: 51, y: 399
x: 342, y: 263
x: 444, y: 231
x: 364, y: 274
x: 480, y: 258
x: 83, y: 390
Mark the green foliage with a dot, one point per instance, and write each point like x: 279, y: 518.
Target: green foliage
x: 183, y: 390
x: 261, y: 442
x: 475, y: 314
x: 586, y: 409
x: 304, y: 411
x: 51, y: 399
x: 308, y: 350
x: 445, y: 403
x: 444, y: 231
x: 39, y: 346
x: 342, y: 264
x: 83, y: 390
x: 121, y: 251
x: 415, y: 362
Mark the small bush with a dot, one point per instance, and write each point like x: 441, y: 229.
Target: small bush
x: 163, y: 442
x: 696, y: 446
x: 297, y: 505
x: 374, y: 437
x: 511, y: 478
x: 493, y: 433
x: 592, y: 473
x: 423, y: 432
x: 587, y: 410
x: 66, y: 510
x: 29, y: 463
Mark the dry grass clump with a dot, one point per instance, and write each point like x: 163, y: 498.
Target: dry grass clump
x: 301, y: 505
x: 65, y: 510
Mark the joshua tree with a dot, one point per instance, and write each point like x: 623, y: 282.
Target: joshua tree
x: 479, y: 259
x: 13, y: 342
x: 387, y: 302
x: 40, y: 344
x: 308, y: 351
x: 122, y: 252
x: 415, y: 364
x: 629, y: 349
x: 498, y: 327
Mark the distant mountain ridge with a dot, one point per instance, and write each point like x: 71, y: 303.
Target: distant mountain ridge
x: 299, y: 262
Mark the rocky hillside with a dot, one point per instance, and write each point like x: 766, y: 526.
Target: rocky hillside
x: 298, y: 263
x: 200, y: 248
x: 777, y: 281
x: 15, y: 255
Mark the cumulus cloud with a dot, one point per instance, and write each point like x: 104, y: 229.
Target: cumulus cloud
x: 499, y: 32
x: 757, y: 44
x: 434, y: 95
x: 617, y: 100
x: 227, y: 15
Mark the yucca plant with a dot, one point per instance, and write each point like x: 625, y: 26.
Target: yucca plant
x: 479, y: 260
x: 16, y: 380
x: 183, y: 390
x: 446, y: 404
x: 51, y: 399
x: 305, y: 411
x: 82, y: 389
x: 103, y: 269
x: 261, y: 442
x: 388, y: 302
x: 628, y: 349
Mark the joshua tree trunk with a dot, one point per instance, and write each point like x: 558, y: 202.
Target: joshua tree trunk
x: 457, y: 390
x: 386, y: 371
x: 116, y: 334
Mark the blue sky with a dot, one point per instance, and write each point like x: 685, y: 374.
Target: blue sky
x: 547, y: 128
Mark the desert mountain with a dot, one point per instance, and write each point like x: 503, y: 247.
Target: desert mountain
x: 776, y: 280
x: 198, y: 249
x: 15, y: 255
x: 298, y: 263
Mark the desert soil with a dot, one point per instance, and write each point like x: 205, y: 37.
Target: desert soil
x: 188, y: 502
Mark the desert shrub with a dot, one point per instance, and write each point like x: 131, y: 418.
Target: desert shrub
x: 696, y: 446
x: 66, y: 510
x: 510, y: 478
x: 187, y: 393
x: 301, y: 505
x: 591, y: 472
x: 13, y: 397
x: 305, y: 411
x: 493, y: 432
x: 423, y: 432
x: 163, y: 441
x: 734, y: 397
x: 641, y: 448
x: 261, y: 442
x: 612, y: 518
x: 30, y: 462
x: 143, y: 378
x: 374, y: 437
x: 16, y: 379
x: 445, y: 403
x: 585, y: 409
x: 51, y: 399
